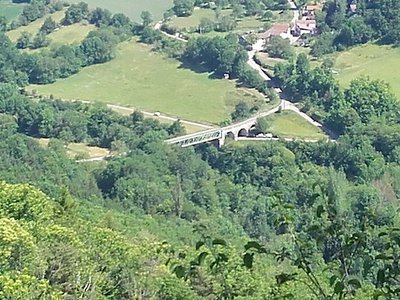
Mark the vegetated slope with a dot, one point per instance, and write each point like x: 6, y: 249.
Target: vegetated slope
x: 132, y: 8
x: 378, y: 62
x: 34, y: 26
x: 149, y: 81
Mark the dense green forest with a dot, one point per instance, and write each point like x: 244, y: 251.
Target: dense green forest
x: 342, y: 28
x: 265, y: 220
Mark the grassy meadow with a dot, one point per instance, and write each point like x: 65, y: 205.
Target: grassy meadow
x: 74, y: 150
x: 149, y: 81
x: 291, y: 125
x: 71, y: 34
x: 132, y: 8
x: 193, y: 21
x: 10, y: 10
x: 378, y: 62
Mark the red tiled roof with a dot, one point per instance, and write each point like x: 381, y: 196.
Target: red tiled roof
x: 275, y: 30
x: 313, y: 7
x: 306, y: 24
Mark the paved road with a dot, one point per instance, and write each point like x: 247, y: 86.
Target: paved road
x: 158, y: 25
x: 285, y: 104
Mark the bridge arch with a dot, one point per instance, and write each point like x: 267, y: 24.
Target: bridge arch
x: 230, y: 135
x: 243, y: 132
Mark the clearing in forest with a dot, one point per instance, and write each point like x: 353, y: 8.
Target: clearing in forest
x: 79, y: 150
x: 378, y: 62
x: 149, y: 81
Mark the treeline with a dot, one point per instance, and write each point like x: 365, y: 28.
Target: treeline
x: 184, y: 8
x: 78, y: 122
x: 224, y: 55
x: 342, y: 27
x: 224, y: 22
x: 36, y: 9
x: 366, y: 101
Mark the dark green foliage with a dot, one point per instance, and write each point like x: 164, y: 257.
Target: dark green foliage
x: 24, y: 40
x: 99, y: 46
x: 76, y: 13
x: 279, y: 47
x: 48, y: 26
x: 372, y: 20
x: 183, y: 8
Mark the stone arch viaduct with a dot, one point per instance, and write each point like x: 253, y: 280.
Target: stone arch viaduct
x: 233, y: 131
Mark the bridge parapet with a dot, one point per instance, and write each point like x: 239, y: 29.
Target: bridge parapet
x: 196, y: 138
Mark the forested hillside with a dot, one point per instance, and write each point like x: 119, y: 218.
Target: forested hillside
x: 255, y: 220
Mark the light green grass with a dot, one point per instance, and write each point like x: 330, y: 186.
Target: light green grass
x: 282, y: 16
x: 10, y: 10
x: 132, y: 8
x: 78, y: 149
x: 267, y: 61
x: 71, y: 34
x: 249, y: 23
x: 378, y: 62
x: 148, y: 81
x: 34, y: 27
x: 192, y: 22
x: 290, y: 124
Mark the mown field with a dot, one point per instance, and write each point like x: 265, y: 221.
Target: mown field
x: 9, y: 9
x: 71, y: 34
x: 192, y: 22
x: 132, y: 8
x: 290, y: 124
x: 144, y: 79
x: 378, y: 62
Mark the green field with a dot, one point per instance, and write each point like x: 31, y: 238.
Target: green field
x: 34, y: 27
x: 290, y: 124
x: 194, y: 20
x: 71, y: 34
x: 9, y: 9
x: 378, y: 62
x: 191, y: 23
x: 147, y: 80
x: 132, y: 8
x: 74, y: 150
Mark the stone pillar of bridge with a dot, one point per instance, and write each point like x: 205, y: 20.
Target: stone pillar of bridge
x: 221, y: 141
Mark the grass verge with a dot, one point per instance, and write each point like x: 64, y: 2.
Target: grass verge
x: 291, y: 125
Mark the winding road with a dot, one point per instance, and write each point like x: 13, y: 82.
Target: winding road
x: 284, y: 104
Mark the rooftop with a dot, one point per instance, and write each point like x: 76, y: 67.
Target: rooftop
x: 313, y: 7
x: 275, y: 30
